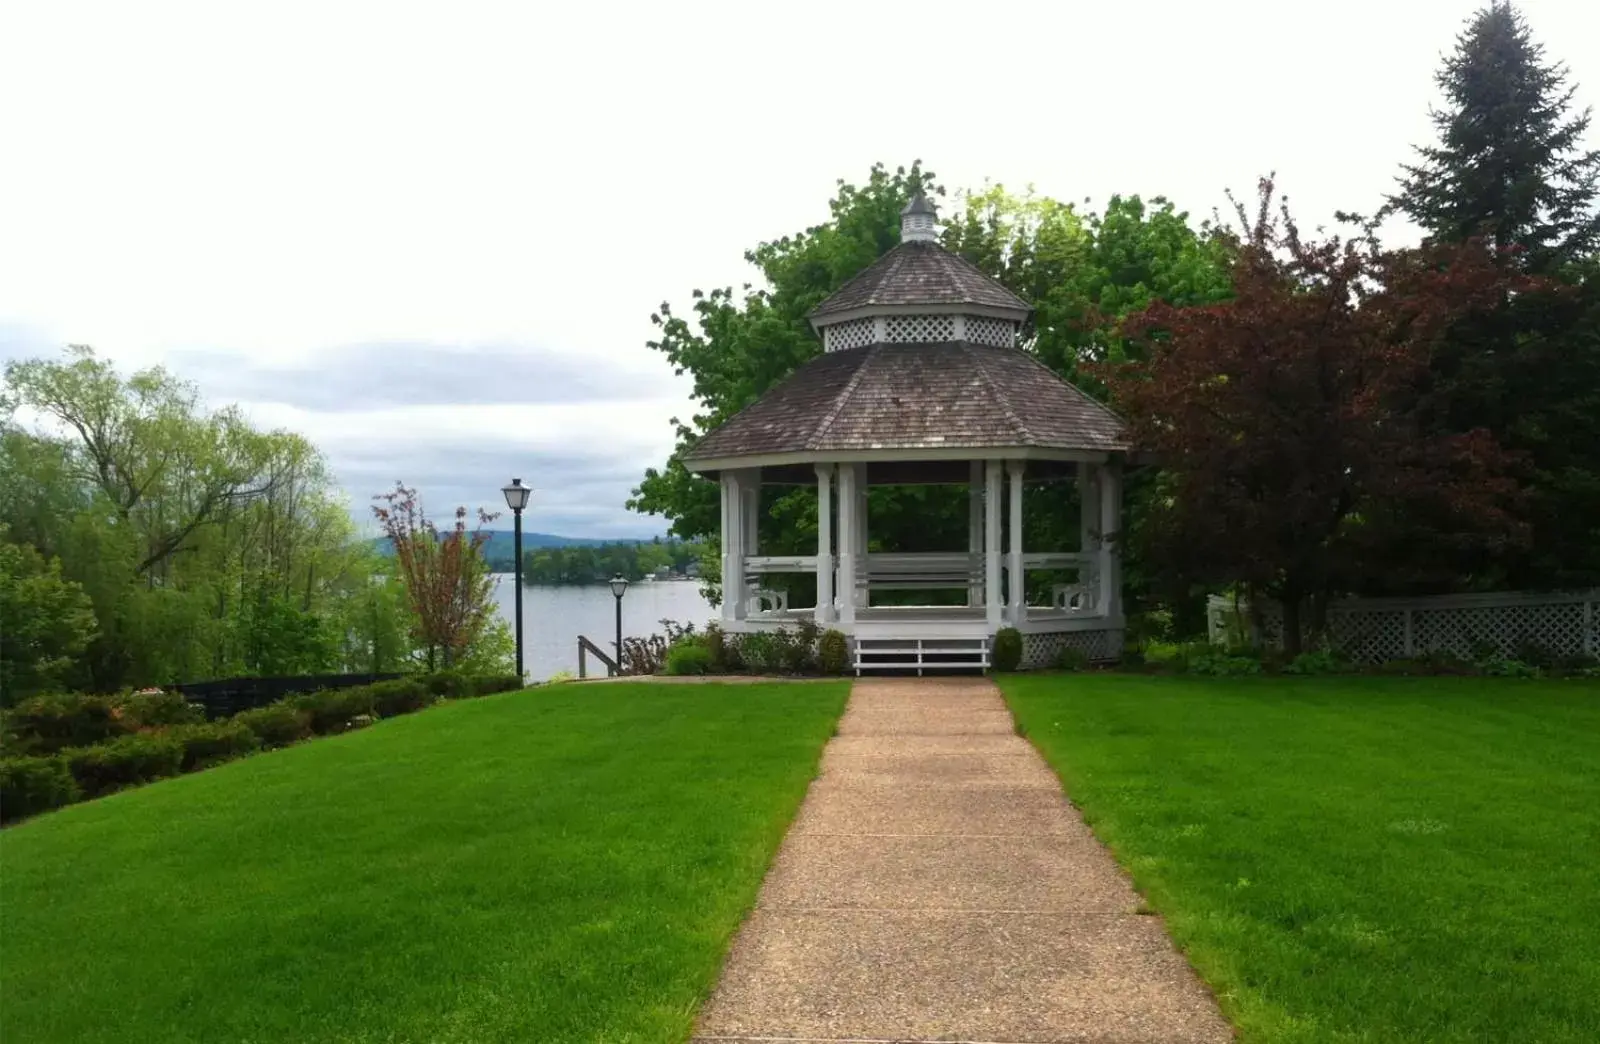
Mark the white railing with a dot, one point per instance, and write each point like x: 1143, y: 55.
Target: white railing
x: 1373, y: 630
x: 757, y: 564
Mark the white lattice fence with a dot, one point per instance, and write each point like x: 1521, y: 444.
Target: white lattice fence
x: 1373, y: 630
x: 1044, y: 650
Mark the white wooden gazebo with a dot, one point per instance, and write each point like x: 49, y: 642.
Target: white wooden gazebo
x: 922, y: 381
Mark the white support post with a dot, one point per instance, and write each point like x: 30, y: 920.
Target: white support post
x: 991, y: 544
x: 824, y: 611
x: 733, y: 593
x: 849, y: 533
x: 1111, y: 541
x: 1016, y: 580
x: 975, y: 529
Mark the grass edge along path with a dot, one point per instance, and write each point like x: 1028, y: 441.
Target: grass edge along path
x: 562, y: 864
x: 1351, y: 860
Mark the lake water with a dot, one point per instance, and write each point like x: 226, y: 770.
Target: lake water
x: 553, y: 617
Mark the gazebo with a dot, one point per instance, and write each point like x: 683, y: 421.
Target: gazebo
x: 922, y: 381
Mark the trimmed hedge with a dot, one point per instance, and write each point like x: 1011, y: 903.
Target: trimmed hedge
x: 833, y: 652
x: 690, y: 656
x: 29, y: 786
x: 1007, y: 649
x: 332, y: 710
x: 124, y: 762
x: 142, y: 710
x: 212, y: 743
x: 277, y: 724
x: 402, y: 696
x: 53, y: 722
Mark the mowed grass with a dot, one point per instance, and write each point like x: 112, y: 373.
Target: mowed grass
x: 1347, y: 860
x: 564, y: 864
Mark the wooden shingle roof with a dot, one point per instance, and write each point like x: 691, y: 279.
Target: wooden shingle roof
x: 918, y: 273
x: 945, y: 396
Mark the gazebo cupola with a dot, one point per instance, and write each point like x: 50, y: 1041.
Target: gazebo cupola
x: 919, y: 293
x: 921, y: 381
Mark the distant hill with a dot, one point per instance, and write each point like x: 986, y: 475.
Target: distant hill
x: 498, y: 548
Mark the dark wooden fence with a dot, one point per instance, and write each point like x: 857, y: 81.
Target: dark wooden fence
x: 227, y: 696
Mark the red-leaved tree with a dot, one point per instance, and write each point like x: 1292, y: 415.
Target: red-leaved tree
x: 447, y: 580
x: 1285, y: 419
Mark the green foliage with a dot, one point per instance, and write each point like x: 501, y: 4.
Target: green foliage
x: 48, y: 621
x: 1506, y: 667
x: 332, y: 710
x: 596, y: 564
x: 400, y: 696
x: 1072, y: 659
x: 833, y: 652
x: 212, y: 743
x: 52, y: 722
x: 449, y: 685
x: 144, y: 710
x: 277, y: 724
x: 29, y: 786
x: 124, y: 762
x: 489, y: 684
x: 1318, y: 661
x: 688, y: 656
x: 1007, y: 655
x: 1223, y: 665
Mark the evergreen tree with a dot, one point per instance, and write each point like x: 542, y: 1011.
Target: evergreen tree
x: 1510, y: 164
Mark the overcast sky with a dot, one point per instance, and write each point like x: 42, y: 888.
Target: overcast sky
x: 430, y: 236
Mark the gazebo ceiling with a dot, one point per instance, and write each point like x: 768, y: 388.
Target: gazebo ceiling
x: 914, y: 402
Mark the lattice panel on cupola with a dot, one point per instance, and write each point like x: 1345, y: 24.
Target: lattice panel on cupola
x: 997, y: 333
x: 1044, y: 650
x: 857, y: 333
x: 919, y: 329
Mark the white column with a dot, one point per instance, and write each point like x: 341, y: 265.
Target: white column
x: 824, y: 613
x: 975, y: 529
x: 1110, y: 602
x: 1018, y: 594
x: 849, y: 533
x: 733, y: 596
x: 991, y: 544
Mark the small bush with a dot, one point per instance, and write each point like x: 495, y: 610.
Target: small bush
x: 799, y: 652
x: 331, y: 710
x: 124, y: 762
x: 1072, y: 659
x: 400, y: 696
x: 29, y: 786
x: 448, y: 685
x: 1536, y: 654
x: 147, y: 710
x: 277, y: 724
x: 53, y: 722
x: 1317, y: 661
x: 1224, y: 665
x: 214, y: 742
x: 489, y: 684
x: 833, y: 652
x: 761, y: 651
x: 688, y: 657
x: 1007, y: 654
x: 717, y: 644
x: 1505, y: 667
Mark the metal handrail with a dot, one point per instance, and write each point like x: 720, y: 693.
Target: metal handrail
x: 585, y: 649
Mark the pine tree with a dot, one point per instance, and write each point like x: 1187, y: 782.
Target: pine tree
x: 1510, y: 163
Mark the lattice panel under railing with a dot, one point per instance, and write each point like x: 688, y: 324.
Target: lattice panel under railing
x: 997, y: 333
x: 1040, y: 651
x: 857, y: 333
x: 919, y: 329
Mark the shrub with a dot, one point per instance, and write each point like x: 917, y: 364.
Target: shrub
x: 761, y: 651
x: 331, y: 710
x: 29, y: 786
x: 124, y: 762
x: 833, y: 652
x: 489, y: 684
x: 1505, y: 667
x: 153, y: 709
x: 213, y: 742
x: 448, y: 685
x: 1072, y: 659
x: 277, y: 724
x: 1224, y: 665
x: 717, y: 644
x: 1007, y: 649
x: 799, y: 650
x: 1536, y: 654
x: 400, y: 696
x: 1317, y: 661
x: 53, y: 722
x: 688, y: 657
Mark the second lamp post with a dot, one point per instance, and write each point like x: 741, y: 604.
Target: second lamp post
x: 516, y: 499
x: 619, y: 587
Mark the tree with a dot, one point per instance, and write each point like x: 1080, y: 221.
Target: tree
x: 447, y: 580
x: 46, y: 623
x: 1510, y: 163
x: 1284, y: 418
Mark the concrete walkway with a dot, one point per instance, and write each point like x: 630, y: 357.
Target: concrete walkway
x: 937, y: 886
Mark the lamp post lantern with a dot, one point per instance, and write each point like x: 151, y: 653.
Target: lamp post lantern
x: 516, y: 499
x: 619, y: 587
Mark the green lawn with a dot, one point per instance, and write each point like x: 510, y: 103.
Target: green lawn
x: 565, y: 864
x: 1374, y: 860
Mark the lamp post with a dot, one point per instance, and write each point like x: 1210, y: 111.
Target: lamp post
x: 516, y: 499
x: 619, y: 587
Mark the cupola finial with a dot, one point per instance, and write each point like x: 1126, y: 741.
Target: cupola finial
x: 916, y: 221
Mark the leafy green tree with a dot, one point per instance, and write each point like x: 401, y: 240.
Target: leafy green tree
x: 46, y: 623
x: 1510, y: 164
